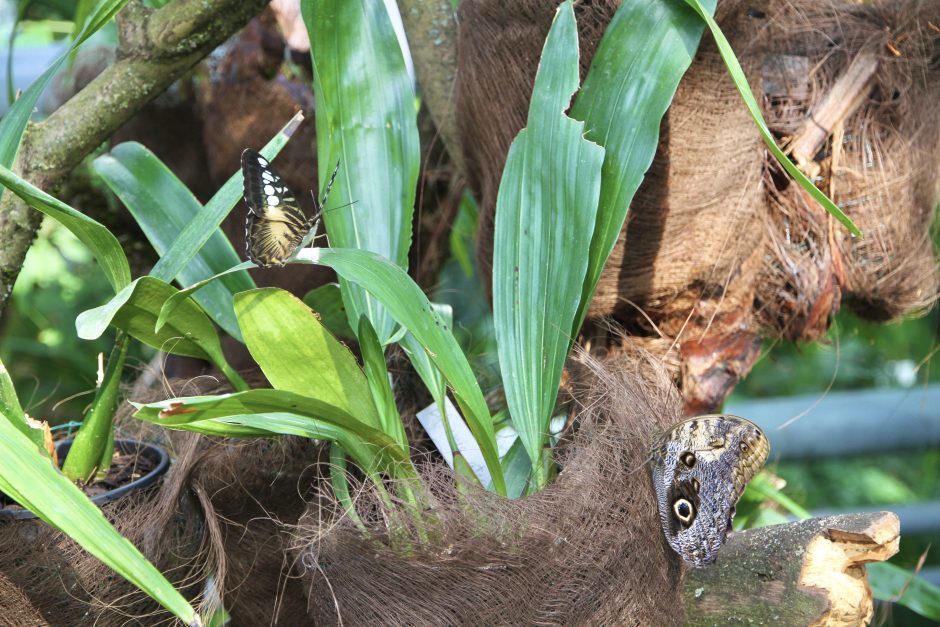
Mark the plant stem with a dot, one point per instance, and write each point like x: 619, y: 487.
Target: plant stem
x: 93, y: 437
x: 233, y: 377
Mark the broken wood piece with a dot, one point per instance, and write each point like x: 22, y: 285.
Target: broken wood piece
x: 843, y: 99
x: 810, y: 572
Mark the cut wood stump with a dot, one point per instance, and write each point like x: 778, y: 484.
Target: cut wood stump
x: 810, y: 572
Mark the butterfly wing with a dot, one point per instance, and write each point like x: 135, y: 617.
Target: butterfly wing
x: 276, y: 225
x: 699, y: 470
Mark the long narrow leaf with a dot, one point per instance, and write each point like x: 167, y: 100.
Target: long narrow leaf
x: 408, y: 305
x: 545, y: 214
x: 297, y: 353
x: 204, y: 224
x: 740, y: 81
x: 102, y: 244
x: 15, y: 120
x: 282, y: 412
x: 29, y: 477
x: 163, y: 206
x: 366, y: 120
x: 633, y: 77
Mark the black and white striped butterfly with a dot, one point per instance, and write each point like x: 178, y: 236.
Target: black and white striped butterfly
x: 276, y: 226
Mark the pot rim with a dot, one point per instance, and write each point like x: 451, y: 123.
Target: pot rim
x: 162, y: 460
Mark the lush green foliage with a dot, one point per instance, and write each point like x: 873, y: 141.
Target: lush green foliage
x: 564, y: 195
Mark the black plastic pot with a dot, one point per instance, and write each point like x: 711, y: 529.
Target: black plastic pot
x: 156, y: 454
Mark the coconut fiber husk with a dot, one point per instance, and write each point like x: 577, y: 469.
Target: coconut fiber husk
x: 212, y: 526
x: 247, y: 490
x: 879, y: 164
x: 586, y: 550
x: 720, y: 249
x: 15, y: 607
x: 64, y: 585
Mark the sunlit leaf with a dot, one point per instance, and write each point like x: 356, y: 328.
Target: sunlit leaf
x: 297, y: 353
x: 545, y: 214
x: 645, y: 50
x: 366, y: 121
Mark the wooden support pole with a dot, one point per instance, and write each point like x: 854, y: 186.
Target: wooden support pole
x: 810, y: 572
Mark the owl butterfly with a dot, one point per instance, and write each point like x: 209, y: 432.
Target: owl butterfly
x: 700, y: 467
x: 276, y: 226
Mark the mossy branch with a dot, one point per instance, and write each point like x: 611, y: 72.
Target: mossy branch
x: 156, y: 47
x: 804, y: 573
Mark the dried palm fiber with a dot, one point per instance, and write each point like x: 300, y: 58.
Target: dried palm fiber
x: 15, y: 608
x: 67, y: 586
x: 586, y: 550
x: 209, y: 527
x: 880, y: 164
x: 246, y: 490
x: 704, y: 265
x: 687, y: 259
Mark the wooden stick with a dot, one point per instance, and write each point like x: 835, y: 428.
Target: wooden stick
x: 844, y: 99
x: 804, y: 573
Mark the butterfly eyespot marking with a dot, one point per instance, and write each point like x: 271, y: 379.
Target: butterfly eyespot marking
x: 744, y: 447
x: 696, y: 485
x: 688, y: 458
x: 684, y: 511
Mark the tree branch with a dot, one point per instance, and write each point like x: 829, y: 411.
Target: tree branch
x: 431, y: 27
x: 156, y: 48
x: 804, y: 573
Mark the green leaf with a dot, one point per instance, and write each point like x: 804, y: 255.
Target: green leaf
x: 29, y: 478
x: 102, y: 244
x: 279, y: 412
x: 14, y: 121
x: 633, y: 77
x: 135, y: 309
x: 740, y: 81
x: 408, y: 305
x: 545, y: 214
x: 373, y: 360
x: 761, y: 486
x: 518, y: 469
x: 366, y: 120
x: 173, y: 301
x: 463, y: 231
x: 203, y: 225
x: 340, y: 483
x: 888, y: 581
x: 297, y: 353
x: 327, y: 301
x: 12, y: 411
x: 163, y: 207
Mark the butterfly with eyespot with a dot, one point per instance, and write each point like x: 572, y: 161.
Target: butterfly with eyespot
x: 276, y: 227
x: 700, y: 468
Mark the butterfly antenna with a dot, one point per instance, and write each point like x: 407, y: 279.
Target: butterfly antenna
x: 329, y: 186
x: 322, y: 210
